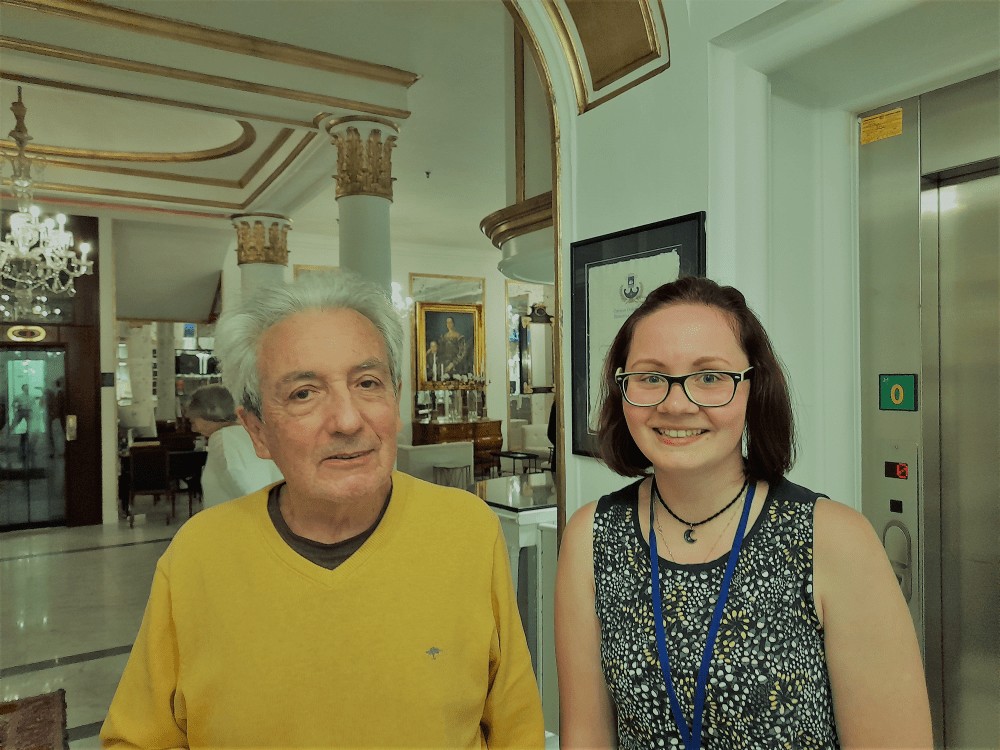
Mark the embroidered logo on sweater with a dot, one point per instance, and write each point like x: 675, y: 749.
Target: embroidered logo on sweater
x: 432, y: 652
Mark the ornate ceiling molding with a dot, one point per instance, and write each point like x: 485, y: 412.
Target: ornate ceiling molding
x: 240, y: 183
x: 522, y: 218
x: 178, y: 74
x: 247, y: 138
x: 129, y: 96
x: 609, y: 46
x: 228, y: 41
x: 60, y: 188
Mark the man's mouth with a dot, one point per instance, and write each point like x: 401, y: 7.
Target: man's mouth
x: 680, y: 433
x: 347, y: 456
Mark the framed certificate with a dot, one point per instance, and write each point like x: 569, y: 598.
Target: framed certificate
x: 611, y: 276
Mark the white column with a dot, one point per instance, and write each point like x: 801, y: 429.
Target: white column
x: 261, y: 249
x: 364, y: 194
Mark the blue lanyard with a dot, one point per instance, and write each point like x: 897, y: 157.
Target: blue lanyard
x: 691, y: 738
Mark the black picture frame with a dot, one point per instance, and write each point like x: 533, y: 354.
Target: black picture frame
x: 595, y: 266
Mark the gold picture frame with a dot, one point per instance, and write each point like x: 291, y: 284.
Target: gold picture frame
x: 449, y: 356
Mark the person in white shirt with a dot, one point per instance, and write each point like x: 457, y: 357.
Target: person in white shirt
x: 233, y: 468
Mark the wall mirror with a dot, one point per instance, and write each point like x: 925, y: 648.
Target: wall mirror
x: 448, y: 347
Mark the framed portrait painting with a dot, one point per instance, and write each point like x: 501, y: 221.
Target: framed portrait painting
x: 611, y: 276
x: 450, y: 346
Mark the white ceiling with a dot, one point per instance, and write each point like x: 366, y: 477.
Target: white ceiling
x: 151, y: 94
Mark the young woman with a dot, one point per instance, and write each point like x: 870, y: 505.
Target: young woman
x: 712, y: 603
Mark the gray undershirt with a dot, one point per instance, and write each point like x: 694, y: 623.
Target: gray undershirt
x: 327, y: 556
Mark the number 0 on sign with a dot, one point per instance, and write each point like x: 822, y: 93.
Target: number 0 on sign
x: 897, y: 392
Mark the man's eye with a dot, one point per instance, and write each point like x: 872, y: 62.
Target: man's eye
x: 301, y: 395
x: 369, y: 384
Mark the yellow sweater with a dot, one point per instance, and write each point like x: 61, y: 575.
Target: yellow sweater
x: 415, y: 641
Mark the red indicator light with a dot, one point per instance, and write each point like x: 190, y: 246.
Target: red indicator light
x: 902, y: 471
x: 897, y: 470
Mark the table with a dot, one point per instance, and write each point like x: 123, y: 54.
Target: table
x: 529, y: 461
x: 526, y: 504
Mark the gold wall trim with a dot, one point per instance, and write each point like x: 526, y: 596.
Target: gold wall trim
x: 246, y: 139
x: 570, y: 52
x: 228, y: 41
x: 235, y: 113
x: 522, y: 218
x: 177, y: 74
x: 242, y: 182
x: 630, y: 85
x: 519, y: 125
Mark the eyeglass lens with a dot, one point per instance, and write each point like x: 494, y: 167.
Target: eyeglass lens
x: 703, y: 388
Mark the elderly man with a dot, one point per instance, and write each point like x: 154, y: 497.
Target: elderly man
x: 348, y: 606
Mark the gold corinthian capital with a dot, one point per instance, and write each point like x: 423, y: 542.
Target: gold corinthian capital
x: 364, y: 166
x: 261, y: 238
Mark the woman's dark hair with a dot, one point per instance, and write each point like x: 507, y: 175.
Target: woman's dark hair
x: 770, y: 429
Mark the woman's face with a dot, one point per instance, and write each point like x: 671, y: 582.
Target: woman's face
x: 678, y: 435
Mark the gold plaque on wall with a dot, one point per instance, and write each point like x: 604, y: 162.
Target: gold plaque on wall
x: 881, y: 126
x: 26, y: 334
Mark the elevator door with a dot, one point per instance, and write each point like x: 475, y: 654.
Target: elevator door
x: 33, y: 437
x: 968, y: 222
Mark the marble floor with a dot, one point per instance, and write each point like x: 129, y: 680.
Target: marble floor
x: 71, y: 601
x: 70, y: 605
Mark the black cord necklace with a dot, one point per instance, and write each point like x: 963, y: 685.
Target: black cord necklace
x: 689, y: 536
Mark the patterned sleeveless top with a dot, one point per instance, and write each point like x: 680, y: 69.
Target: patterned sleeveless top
x: 768, y: 685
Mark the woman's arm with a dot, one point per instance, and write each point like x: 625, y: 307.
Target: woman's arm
x: 879, y: 690
x: 586, y: 712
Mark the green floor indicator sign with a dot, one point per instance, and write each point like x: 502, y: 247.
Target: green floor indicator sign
x: 897, y: 392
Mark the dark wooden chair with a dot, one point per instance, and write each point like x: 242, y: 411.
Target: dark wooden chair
x: 186, y: 466
x: 178, y: 441
x: 149, y: 475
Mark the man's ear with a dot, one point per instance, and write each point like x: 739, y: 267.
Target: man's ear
x: 253, y: 425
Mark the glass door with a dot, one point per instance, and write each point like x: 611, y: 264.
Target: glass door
x: 32, y: 437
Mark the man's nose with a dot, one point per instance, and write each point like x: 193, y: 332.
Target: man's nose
x: 342, y: 413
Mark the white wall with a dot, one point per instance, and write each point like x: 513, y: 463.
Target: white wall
x: 754, y: 123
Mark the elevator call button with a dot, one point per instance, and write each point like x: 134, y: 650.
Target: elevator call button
x: 897, y: 392
x: 897, y: 470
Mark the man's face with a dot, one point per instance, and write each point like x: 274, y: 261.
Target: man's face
x: 433, y: 347
x: 330, y: 411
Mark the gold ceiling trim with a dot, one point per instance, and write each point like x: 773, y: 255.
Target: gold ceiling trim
x: 522, y: 218
x: 247, y: 138
x: 234, y: 113
x: 570, y: 52
x: 177, y: 74
x: 179, y: 199
x: 306, y: 140
x: 613, y: 52
x: 218, y: 39
x: 240, y: 183
x: 336, y: 122
x: 576, y: 54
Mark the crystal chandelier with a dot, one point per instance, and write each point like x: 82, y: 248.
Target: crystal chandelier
x: 37, y: 255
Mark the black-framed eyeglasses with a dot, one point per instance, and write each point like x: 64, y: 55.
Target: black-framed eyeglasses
x: 705, y: 388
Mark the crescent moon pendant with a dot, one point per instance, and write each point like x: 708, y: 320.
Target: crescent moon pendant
x: 689, y: 536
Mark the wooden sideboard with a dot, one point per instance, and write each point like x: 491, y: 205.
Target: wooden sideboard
x: 484, y: 433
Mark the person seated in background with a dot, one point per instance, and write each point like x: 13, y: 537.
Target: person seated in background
x: 233, y: 468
